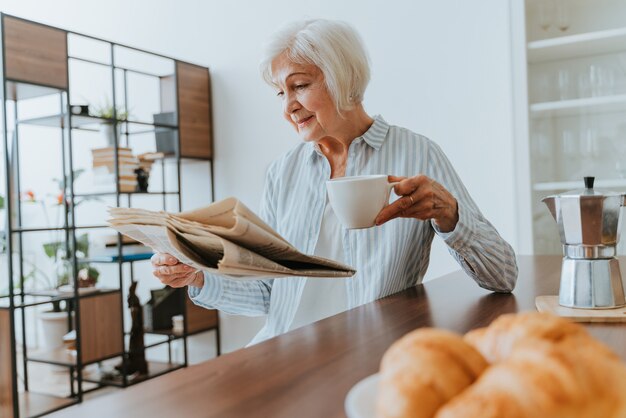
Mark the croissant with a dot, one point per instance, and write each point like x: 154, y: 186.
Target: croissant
x: 542, y: 366
x: 542, y: 379
x: 497, y: 341
x: 424, y: 370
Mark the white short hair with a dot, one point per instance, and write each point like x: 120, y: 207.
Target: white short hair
x: 334, y: 47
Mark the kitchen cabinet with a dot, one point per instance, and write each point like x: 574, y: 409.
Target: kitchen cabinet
x: 569, y: 73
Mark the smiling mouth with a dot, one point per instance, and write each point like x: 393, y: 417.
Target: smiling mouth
x: 302, y: 123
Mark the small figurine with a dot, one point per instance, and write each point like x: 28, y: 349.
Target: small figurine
x: 142, y: 180
x: 136, y: 350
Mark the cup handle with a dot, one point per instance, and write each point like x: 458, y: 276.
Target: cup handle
x: 390, y: 186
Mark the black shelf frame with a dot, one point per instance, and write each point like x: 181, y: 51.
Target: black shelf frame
x: 167, y: 368
x: 68, y: 402
x: 78, y: 122
x: 14, y: 90
x: 51, y: 297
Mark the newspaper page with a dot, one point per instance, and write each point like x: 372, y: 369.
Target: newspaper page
x: 225, y: 238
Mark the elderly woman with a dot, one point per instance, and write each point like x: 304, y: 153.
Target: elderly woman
x: 319, y: 69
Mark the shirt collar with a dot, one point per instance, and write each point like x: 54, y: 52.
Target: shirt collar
x: 374, y: 136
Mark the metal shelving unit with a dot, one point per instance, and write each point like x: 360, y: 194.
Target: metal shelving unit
x: 21, y: 82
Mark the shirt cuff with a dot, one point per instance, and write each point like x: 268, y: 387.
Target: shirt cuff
x: 462, y: 232
x: 209, y: 294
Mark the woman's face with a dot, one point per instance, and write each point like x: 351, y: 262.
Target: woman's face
x: 307, y: 105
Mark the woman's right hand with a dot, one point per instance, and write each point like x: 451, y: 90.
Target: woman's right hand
x: 173, y: 273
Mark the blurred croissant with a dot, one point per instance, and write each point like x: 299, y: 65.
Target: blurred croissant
x: 423, y: 370
x: 497, y: 341
x: 542, y: 366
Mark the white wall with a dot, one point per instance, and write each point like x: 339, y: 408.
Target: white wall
x: 441, y: 68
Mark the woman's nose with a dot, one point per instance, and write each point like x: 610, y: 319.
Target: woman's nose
x: 290, y: 103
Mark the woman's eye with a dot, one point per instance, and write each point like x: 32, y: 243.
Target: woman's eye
x: 280, y: 94
x: 301, y: 86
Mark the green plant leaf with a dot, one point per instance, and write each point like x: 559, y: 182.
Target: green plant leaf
x: 82, y: 244
x: 106, y: 112
x: 63, y: 279
x: 93, y: 273
x: 51, y: 248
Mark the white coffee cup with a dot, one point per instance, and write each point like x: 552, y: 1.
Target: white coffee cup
x: 358, y: 200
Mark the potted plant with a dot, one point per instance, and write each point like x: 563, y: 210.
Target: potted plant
x: 87, y: 275
x: 54, y: 326
x: 113, y: 114
x: 54, y: 323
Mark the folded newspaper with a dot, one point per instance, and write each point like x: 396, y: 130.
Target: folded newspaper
x: 225, y: 238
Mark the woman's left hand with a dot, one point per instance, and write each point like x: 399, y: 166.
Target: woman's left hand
x: 421, y: 198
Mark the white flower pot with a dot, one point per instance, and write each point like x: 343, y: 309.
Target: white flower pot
x: 53, y: 328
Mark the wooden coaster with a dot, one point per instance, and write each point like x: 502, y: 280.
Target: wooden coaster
x: 551, y: 305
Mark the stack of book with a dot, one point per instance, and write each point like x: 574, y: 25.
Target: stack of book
x: 104, y: 168
x: 148, y: 158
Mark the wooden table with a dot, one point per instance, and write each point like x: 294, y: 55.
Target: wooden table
x: 308, y: 372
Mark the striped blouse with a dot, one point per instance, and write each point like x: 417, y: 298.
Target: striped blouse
x: 388, y: 258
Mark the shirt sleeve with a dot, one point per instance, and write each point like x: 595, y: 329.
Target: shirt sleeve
x: 478, y: 247
x: 240, y: 297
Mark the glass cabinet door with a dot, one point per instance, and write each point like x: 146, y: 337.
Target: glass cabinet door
x: 576, y: 69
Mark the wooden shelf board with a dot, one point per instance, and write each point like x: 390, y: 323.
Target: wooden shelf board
x: 60, y: 121
x: 155, y: 369
x: 38, y: 300
x: 58, y: 356
x: 84, y: 292
x: 92, y: 123
x: 580, y: 45
x: 167, y: 332
x: 36, y: 404
x: 200, y: 330
x: 588, y: 105
x: 113, y: 193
